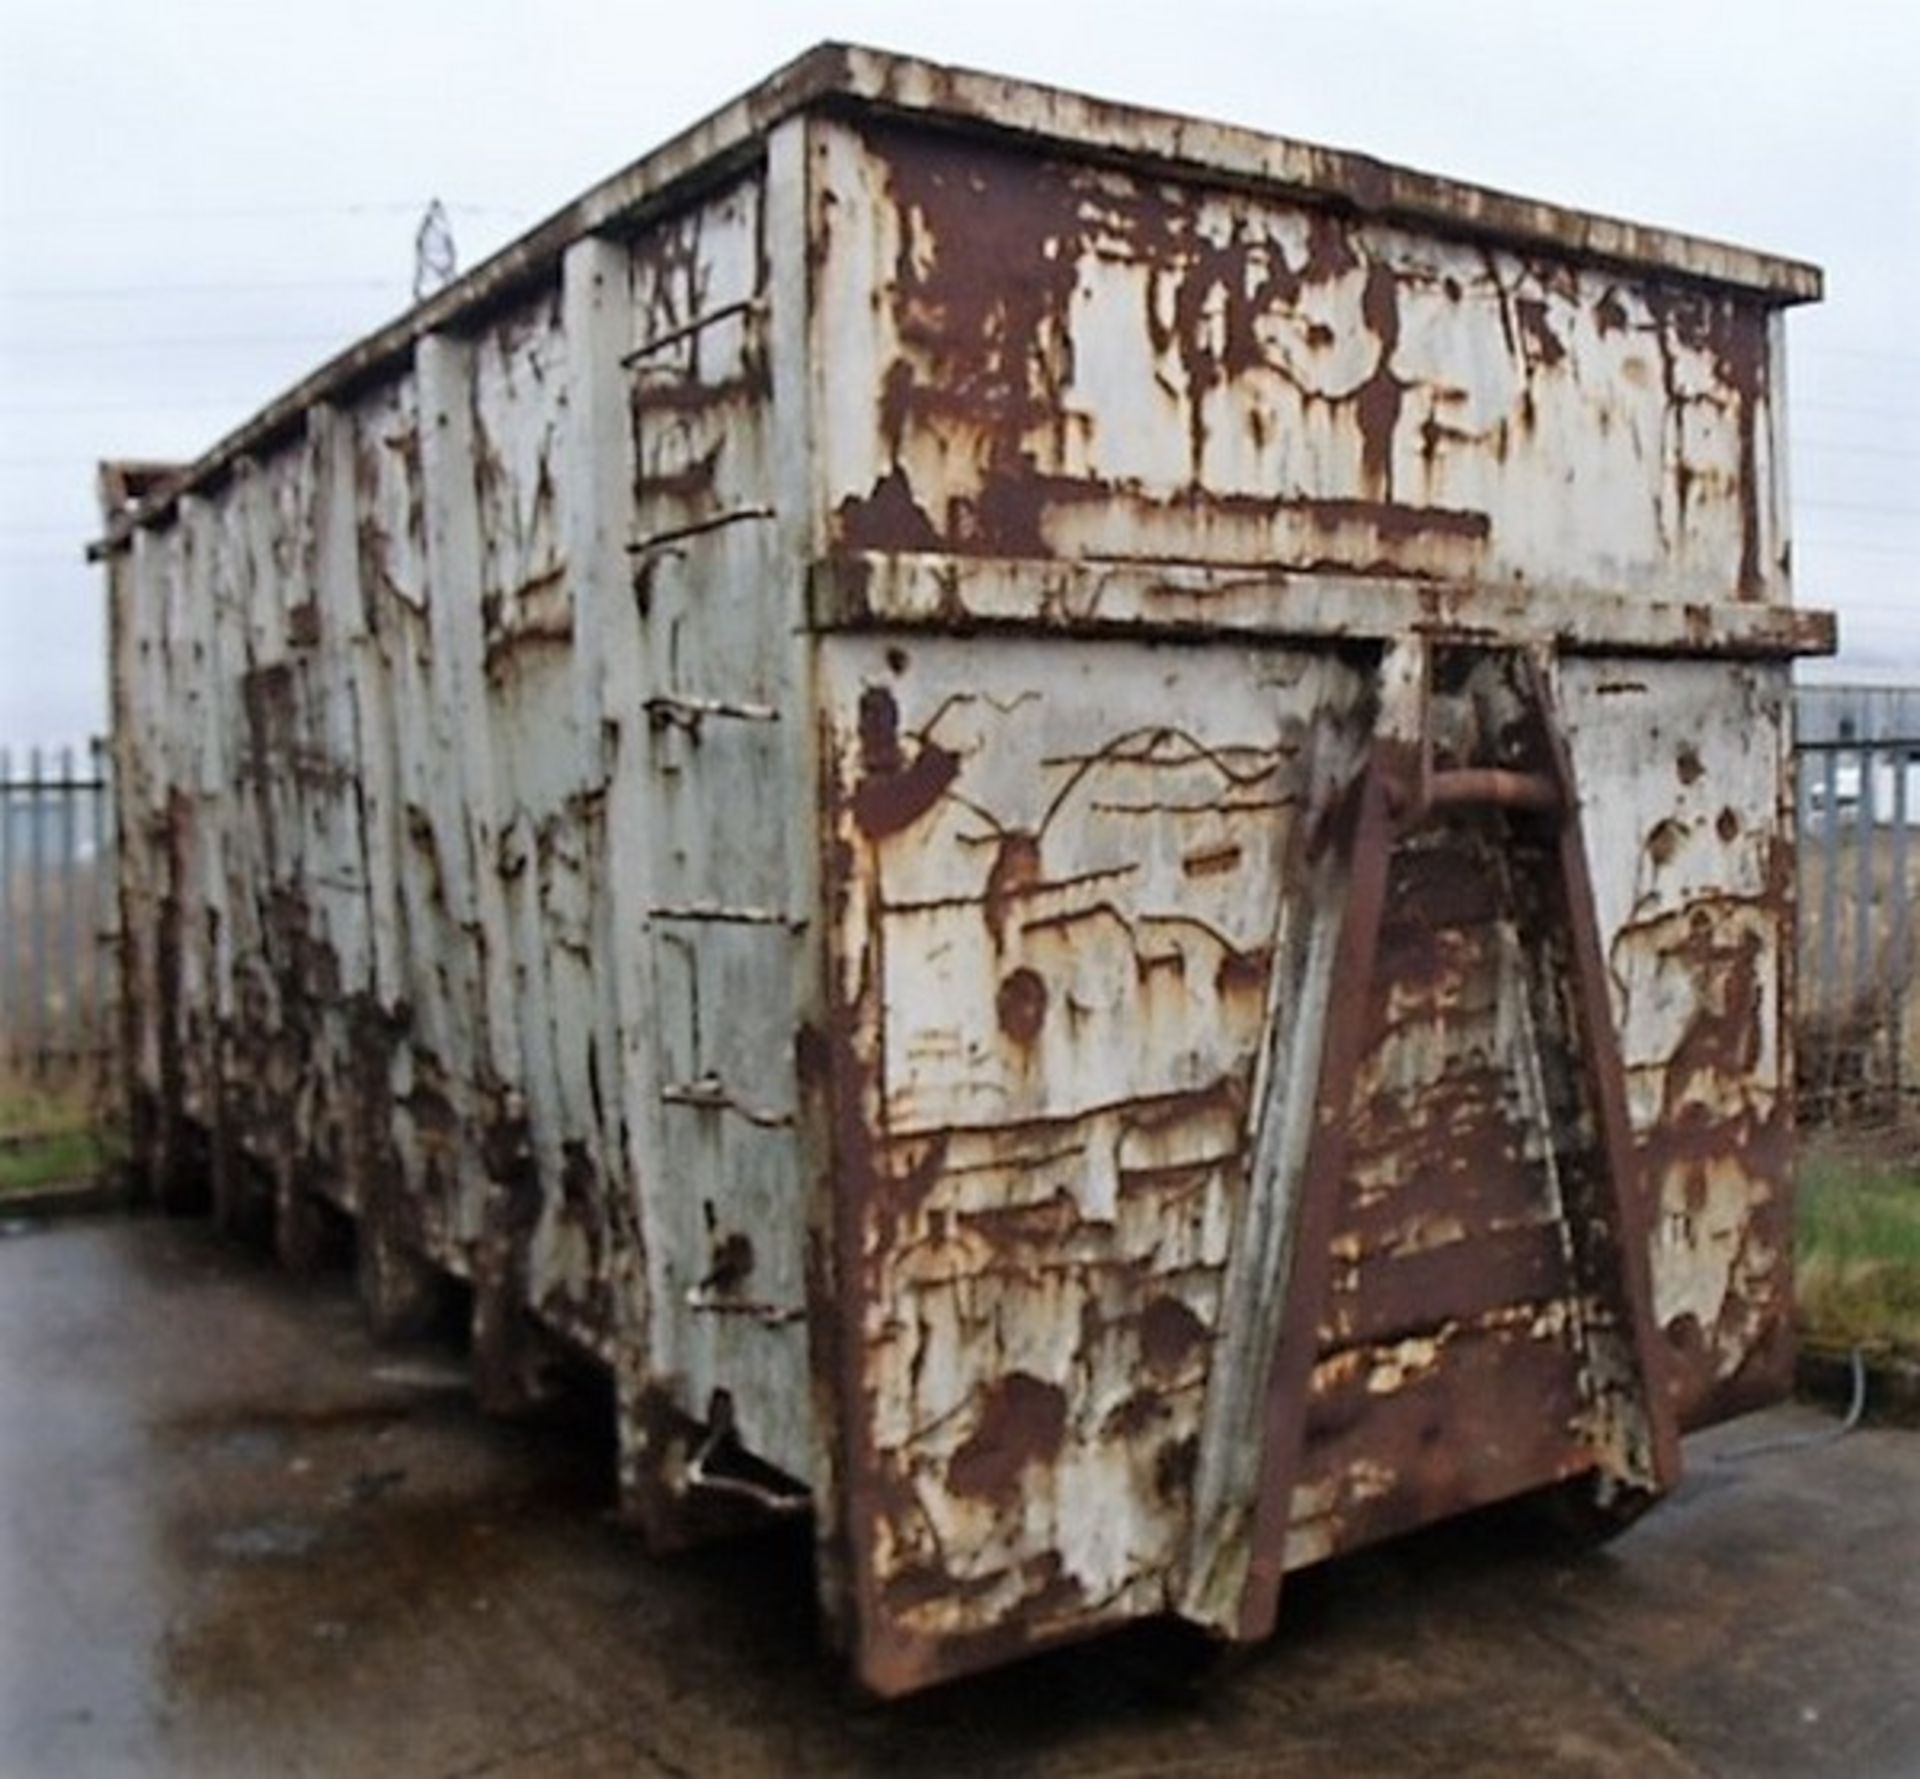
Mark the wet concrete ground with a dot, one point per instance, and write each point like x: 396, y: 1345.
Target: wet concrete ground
x: 238, y: 1538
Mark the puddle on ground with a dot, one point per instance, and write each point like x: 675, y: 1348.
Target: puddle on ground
x: 264, y: 1540
x: 213, y: 1428
x: 247, y: 1445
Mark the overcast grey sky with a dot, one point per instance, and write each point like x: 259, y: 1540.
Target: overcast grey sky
x: 203, y: 198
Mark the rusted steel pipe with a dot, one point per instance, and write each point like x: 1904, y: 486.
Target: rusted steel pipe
x: 1492, y: 787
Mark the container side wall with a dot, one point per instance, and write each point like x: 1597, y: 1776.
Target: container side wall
x: 340, y: 990
x: 1056, y: 873
x: 1043, y: 358
x: 267, y: 1048
x: 1063, y: 1264
x: 386, y: 750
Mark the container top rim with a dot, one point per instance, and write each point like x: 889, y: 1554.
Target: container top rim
x: 835, y: 75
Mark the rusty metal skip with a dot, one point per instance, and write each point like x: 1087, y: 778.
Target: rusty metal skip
x: 1072, y: 827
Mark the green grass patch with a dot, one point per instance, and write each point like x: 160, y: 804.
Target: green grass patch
x: 1859, y: 1251
x: 50, y: 1134
x: 64, y: 1157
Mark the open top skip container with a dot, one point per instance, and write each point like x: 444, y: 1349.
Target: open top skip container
x: 1071, y: 824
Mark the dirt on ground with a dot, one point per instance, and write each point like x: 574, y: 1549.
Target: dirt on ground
x: 238, y: 1538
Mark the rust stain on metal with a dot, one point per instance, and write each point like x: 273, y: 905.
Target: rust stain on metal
x: 1170, y: 1334
x: 1022, y: 1005
x: 1020, y: 1424
x: 895, y: 791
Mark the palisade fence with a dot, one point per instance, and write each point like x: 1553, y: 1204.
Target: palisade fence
x: 57, y: 953
x: 1859, y: 873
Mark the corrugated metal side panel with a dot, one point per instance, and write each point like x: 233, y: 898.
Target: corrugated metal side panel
x: 434, y: 912
x: 193, y: 594
x: 337, y: 769
x: 422, y: 906
x: 194, y: 770
x: 250, y: 809
x: 293, y: 1098
x: 1068, y: 360
x: 212, y: 567
x: 140, y: 790
x: 540, y: 843
x: 259, y: 1070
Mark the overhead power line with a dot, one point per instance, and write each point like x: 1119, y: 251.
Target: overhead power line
x: 90, y: 218
x: 1869, y: 409
x: 134, y: 406
x: 67, y: 293
x: 1878, y: 509
x: 172, y: 342
x: 1852, y: 450
x: 1839, y: 546
x: 1879, y: 354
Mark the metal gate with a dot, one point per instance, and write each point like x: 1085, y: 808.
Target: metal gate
x: 1858, y: 786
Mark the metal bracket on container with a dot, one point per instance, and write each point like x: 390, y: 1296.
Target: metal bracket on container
x: 670, y: 710
x: 723, y: 914
x: 721, y: 1446
x: 747, y: 308
x: 711, y: 1093
x: 704, y: 1300
x: 666, y: 539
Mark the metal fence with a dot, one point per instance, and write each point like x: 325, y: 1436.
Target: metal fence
x: 1858, y: 784
x: 56, y: 897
